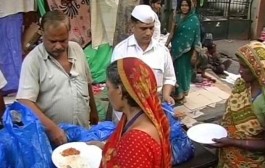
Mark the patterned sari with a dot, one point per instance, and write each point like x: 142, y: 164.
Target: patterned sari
x: 186, y: 38
x: 140, y: 83
x: 79, y: 13
x: 244, y: 117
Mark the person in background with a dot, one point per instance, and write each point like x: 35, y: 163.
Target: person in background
x: 156, y: 6
x: 55, y: 80
x: 141, y: 138
x: 196, y: 5
x: 3, y: 82
x: 186, y: 44
x: 244, y: 118
x: 214, y: 61
x: 142, y: 46
x: 200, y: 67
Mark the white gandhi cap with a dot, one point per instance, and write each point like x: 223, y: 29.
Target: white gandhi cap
x: 144, y: 13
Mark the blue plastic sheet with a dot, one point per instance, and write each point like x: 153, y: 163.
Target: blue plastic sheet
x: 3, y: 159
x: 100, y: 132
x: 9, y: 153
x: 11, y: 50
x: 182, y: 147
x: 25, y: 142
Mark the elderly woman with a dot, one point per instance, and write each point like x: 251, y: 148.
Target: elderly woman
x: 244, y: 118
x: 142, y: 136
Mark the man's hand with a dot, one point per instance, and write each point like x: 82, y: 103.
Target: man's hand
x: 168, y: 46
x: 94, y: 118
x: 169, y: 100
x: 57, y: 135
x: 92, y: 103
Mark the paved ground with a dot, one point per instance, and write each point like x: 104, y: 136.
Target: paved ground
x: 227, y: 48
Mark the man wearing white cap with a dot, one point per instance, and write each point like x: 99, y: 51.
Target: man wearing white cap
x: 3, y: 82
x: 142, y: 46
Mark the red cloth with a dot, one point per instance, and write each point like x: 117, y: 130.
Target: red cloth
x: 138, y: 149
x: 140, y: 83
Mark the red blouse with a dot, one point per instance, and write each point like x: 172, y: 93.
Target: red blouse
x: 138, y: 149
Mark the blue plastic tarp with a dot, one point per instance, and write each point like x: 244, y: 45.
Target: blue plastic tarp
x: 11, y: 49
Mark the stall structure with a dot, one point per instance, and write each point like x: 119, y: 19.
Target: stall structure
x: 227, y: 19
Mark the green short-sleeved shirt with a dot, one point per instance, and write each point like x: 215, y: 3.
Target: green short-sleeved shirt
x: 259, y: 108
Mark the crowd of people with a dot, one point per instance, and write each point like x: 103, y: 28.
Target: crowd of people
x: 56, y: 83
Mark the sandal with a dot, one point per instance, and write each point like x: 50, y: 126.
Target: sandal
x: 180, y: 101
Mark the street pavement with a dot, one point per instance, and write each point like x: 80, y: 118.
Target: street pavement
x: 227, y: 49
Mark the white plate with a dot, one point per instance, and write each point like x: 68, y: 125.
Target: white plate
x: 89, y: 157
x: 204, y: 133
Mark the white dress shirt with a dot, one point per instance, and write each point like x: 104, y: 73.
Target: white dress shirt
x: 156, y: 56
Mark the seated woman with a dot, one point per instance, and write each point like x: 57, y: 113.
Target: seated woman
x: 244, y: 118
x: 142, y: 136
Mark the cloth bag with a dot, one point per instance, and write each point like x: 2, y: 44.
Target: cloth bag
x: 182, y: 147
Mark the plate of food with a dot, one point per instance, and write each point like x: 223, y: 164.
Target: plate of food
x: 204, y: 133
x: 77, y: 155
